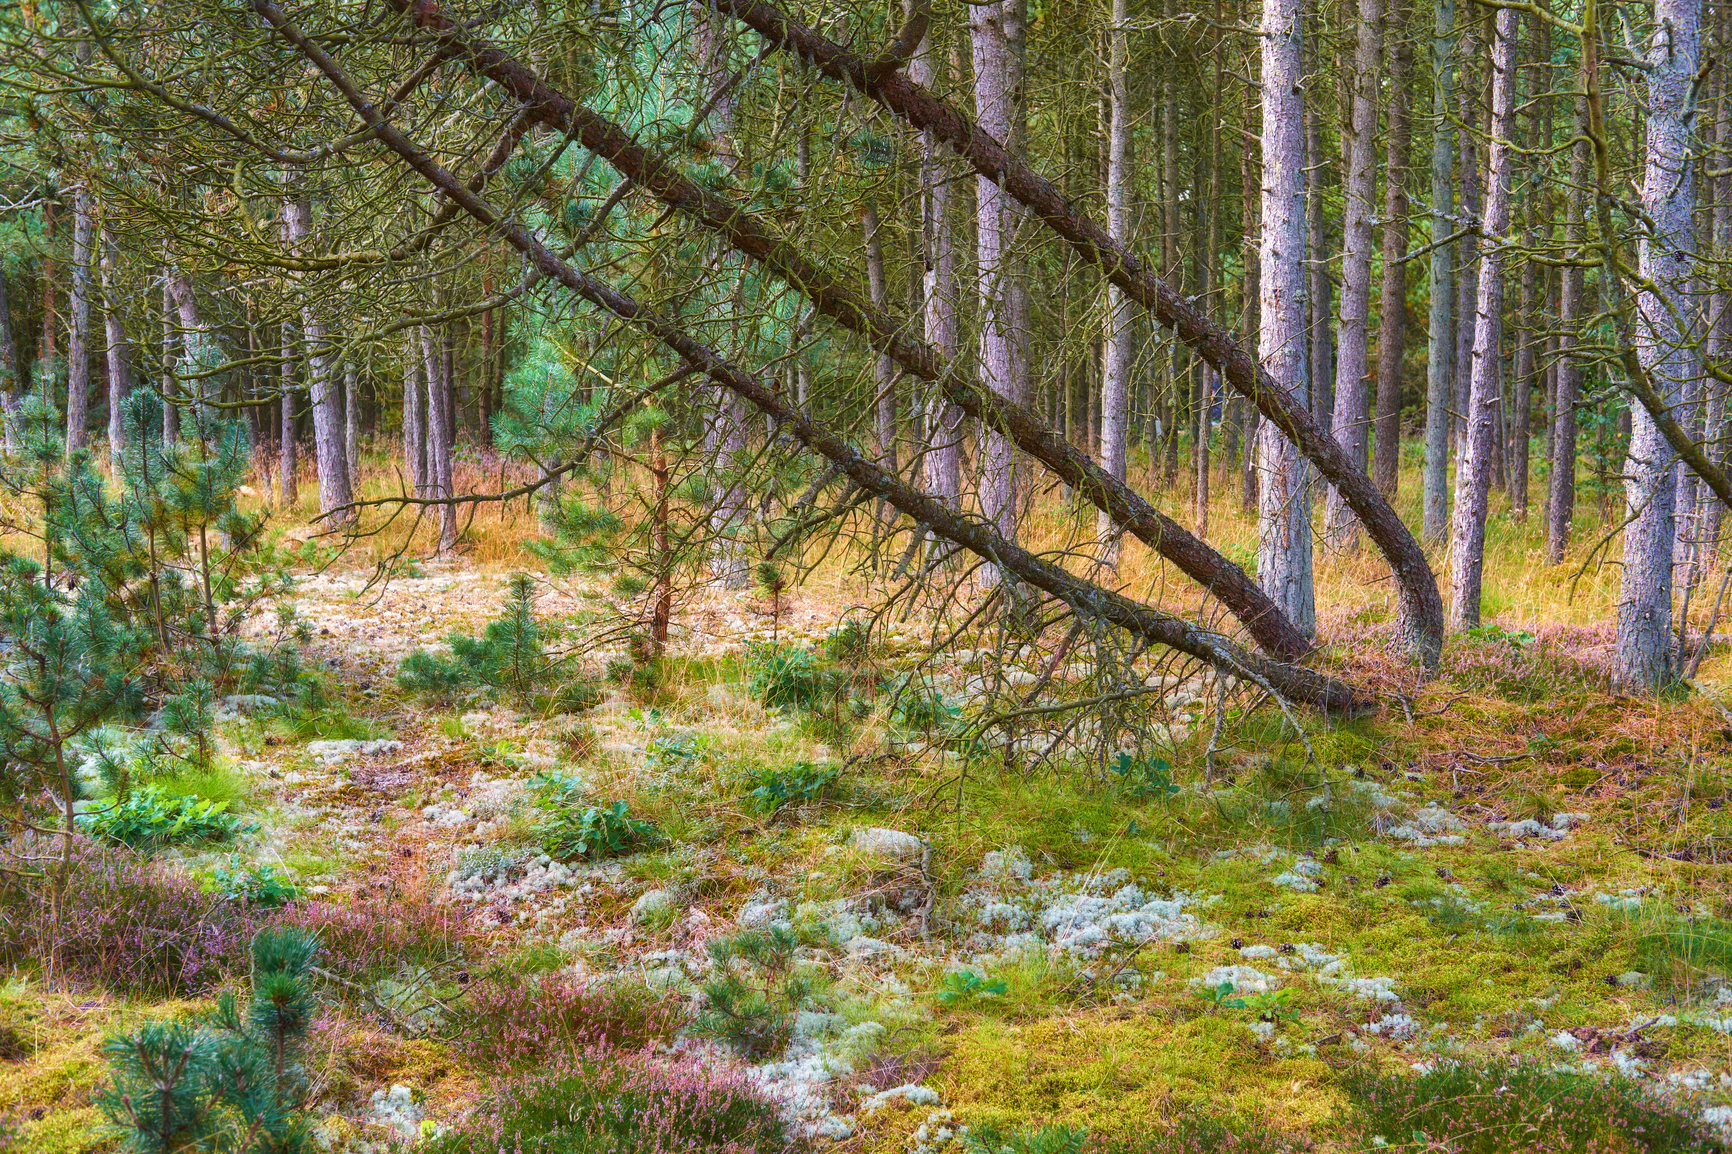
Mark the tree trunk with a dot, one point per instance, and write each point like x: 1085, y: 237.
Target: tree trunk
x: 1392, y: 309
x: 438, y: 468
x: 1719, y: 345
x: 1571, y: 308
x: 938, y: 313
x: 1467, y: 251
x: 170, y: 401
x: 78, y: 338
x: 352, y: 423
x: 286, y: 447
x: 1473, y: 481
x: 1284, y: 520
x: 330, y: 458
x: 49, y: 345
x: 996, y: 36
x: 11, y: 377
x: 1666, y: 347
x: 1319, y: 365
x: 883, y: 368
x: 1116, y: 336
x: 119, y: 374
x: 1340, y: 529
x: 1527, y: 339
x: 414, y: 414
x: 1250, y: 287
x: 1440, y: 357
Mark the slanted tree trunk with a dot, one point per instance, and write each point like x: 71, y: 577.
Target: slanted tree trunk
x: 1473, y: 481
x: 1440, y: 356
x: 938, y: 312
x: 1340, y: 529
x: 1665, y: 345
x: 1116, y: 337
x: 1392, y: 309
x: 119, y: 374
x: 1284, y: 516
x: 78, y: 337
x: 1571, y: 308
x: 995, y: 30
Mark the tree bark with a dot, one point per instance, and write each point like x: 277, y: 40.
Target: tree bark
x: 1340, y: 529
x: 414, y: 414
x: 170, y: 402
x: 1467, y: 249
x: 1571, y: 307
x: 1473, y: 481
x: 119, y: 372
x: 1284, y: 514
x: 352, y: 424
x: 1440, y: 356
x: 330, y: 458
x: 883, y: 367
x: 995, y: 29
x: 1392, y: 309
x: 438, y: 442
x: 938, y: 313
x: 11, y: 376
x: 78, y: 336
x: 1116, y: 337
x: 286, y: 446
x: 1665, y: 345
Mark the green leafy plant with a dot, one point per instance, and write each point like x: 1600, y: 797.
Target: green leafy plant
x: 1273, y: 1006
x: 233, y: 1083
x: 961, y: 987
x: 257, y: 885
x: 1220, y: 997
x: 596, y: 832
x: 1143, y: 777
x: 796, y: 784
x: 849, y: 644
x: 790, y: 677
x: 149, y: 817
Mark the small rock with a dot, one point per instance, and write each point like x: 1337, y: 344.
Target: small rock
x: 887, y: 843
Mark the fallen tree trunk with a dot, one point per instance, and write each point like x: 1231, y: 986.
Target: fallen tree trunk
x: 1421, y: 607
x: 890, y: 335
x: 1294, y: 682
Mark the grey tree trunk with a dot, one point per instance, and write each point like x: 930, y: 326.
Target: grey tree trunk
x: 170, y: 402
x: 1392, y: 309
x: 1719, y: 319
x: 1340, y: 527
x: 996, y: 33
x: 352, y: 423
x: 330, y: 458
x: 1116, y: 337
x: 1467, y: 252
x: 11, y: 379
x: 1320, y: 291
x: 1250, y: 290
x: 1440, y: 358
x: 1561, y: 506
x: 1473, y: 481
x: 1526, y: 359
x: 414, y: 414
x: 1284, y: 513
x: 938, y: 312
x: 78, y: 338
x: 438, y: 439
x: 119, y: 374
x: 286, y: 447
x: 1642, y: 653
x: 883, y: 368
x: 197, y: 349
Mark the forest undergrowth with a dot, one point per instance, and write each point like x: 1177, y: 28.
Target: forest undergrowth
x: 778, y: 888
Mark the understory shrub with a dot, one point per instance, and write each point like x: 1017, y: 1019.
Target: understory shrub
x: 516, y: 656
x: 1489, y: 1108
x: 768, y: 790
x: 593, y: 831
x: 789, y: 676
x: 127, y: 923
x: 517, y: 1021
x: 621, y: 1102
x: 754, y: 991
x: 149, y: 817
x: 1521, y: 666
x: 373, y: 936
x: 231, y: 1083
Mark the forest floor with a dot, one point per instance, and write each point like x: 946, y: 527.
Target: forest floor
x: 1515, y: 864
